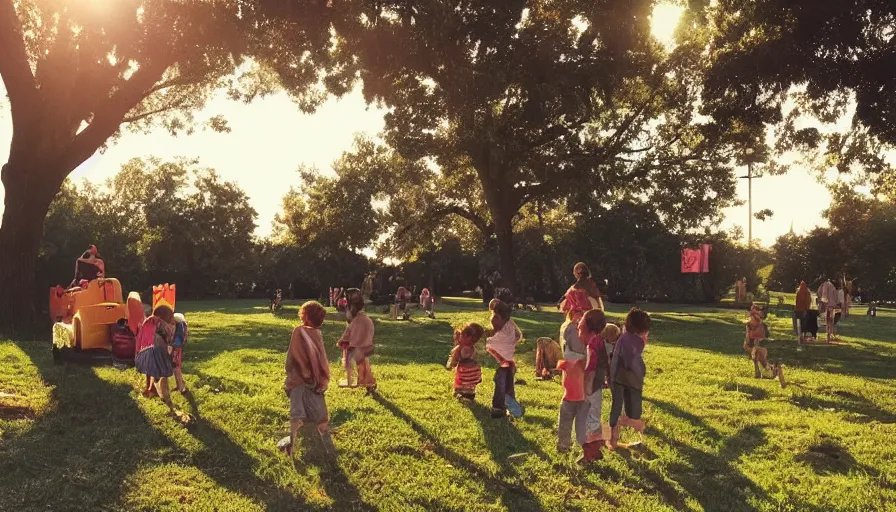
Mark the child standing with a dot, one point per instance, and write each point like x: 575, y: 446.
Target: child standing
x: 467, y: 372
x: 597, y: 368
x: 357, y: 343
x: 573, y: 407
x: 627, y: 372
x: 502, y: 346
x: 307, y: 377
x: 177, y: 352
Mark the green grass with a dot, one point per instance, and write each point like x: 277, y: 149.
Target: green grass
x: 78, y: 437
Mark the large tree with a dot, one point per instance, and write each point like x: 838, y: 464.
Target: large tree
x: 541, y: 100
x: 822, y: 73
x: 76, y: 72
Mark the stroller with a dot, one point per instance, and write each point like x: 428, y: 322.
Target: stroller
x: 276, y: 300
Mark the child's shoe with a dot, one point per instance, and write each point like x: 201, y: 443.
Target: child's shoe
x: 516, y: 410
x: 285, y: 446
x: 591, y: 452
x: 344, y: 383
x: 499, y: 413
x: 614, y: 437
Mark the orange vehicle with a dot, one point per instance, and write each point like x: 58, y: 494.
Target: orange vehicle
x: 94, y: 317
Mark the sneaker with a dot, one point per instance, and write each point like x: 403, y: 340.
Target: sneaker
x: 344, y: 383
x: 285, y: 446
x: 516, y: 410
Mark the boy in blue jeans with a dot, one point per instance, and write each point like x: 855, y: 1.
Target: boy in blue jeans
x: 502, y: 346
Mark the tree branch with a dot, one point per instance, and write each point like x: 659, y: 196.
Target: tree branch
x: 137, y: 117
x: 15, y: 69
x: 110, y: 116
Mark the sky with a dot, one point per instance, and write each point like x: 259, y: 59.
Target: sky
x: 271, y: 138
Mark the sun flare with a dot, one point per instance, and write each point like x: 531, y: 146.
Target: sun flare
x: 664, y: 21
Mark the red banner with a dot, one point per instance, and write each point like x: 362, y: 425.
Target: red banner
x: 695, y: 261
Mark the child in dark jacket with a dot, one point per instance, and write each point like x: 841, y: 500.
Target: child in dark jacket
x: 627, y: 372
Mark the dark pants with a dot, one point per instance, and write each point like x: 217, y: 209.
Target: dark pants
x: 503, y: 386
x: 631, y: 397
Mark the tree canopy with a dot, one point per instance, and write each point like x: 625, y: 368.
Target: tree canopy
x: 539, y: 101
x: 822, y: 73
x: 77, y: 72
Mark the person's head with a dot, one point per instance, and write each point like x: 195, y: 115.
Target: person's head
x: 470, y: 334
x: 581, y: 271
x: 592, y: 322
x: 803, y: 285
x: 574, y: 315
x: 502, y: 311
x: 492, y: 304
x: 354, y: 303
x: 312, y: 314
x: 611, y: 333
x: 164, y: 313
x: 637, y: 322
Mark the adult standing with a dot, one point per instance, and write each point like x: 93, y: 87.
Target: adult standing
x: 801, y: 309
x: 584, y: 283
x: 827, y: 302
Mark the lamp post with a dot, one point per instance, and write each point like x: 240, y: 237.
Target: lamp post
x: 749, y: 177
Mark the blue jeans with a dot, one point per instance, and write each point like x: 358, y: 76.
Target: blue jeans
x: 503, y: 386
x: 630, y: 397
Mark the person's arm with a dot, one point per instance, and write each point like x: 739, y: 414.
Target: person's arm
x: 518, y: 334
x: 453, y: 358
x: 323, y: 365
x: 346, y: 336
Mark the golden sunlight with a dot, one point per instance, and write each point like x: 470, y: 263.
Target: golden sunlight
x: 664, y: 21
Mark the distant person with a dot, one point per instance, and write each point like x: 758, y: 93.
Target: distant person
x: 502, y: 346
x: 827, y: 302
x: 153, y: 355
x: 89, y: 266
x: 357, y: 343
x: 803, y: 305
x: 181, y: 332
x: 547, y: 354
x: 627, y: 371
x: 307, y: 377
x: 463, y: 360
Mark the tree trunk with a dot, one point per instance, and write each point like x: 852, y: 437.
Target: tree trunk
x: 504, y: 234
x: 29, y: 190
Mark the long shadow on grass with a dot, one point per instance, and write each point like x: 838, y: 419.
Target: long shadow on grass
x: 76, y: 455
x: 848, y: 402
x: 230, y: 466
x: 339, y: 488
x: 514, y: 496
x: 713, y: 480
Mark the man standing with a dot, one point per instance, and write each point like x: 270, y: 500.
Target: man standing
x: 827, y: 302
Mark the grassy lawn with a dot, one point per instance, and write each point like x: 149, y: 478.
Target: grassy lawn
x: 78, y: 437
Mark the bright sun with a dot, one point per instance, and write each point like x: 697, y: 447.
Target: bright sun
x: 664, y: 21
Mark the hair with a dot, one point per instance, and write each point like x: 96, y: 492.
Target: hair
x: 582, y: 266
x: 474, y: 331
x: 611, y: 333
x: 164, y: 312
x: 492, y: 303
x: 637, y: 321
x: 312, y: 314
x: 355, y: 300
x: 502, y: 310
x: 595, y: 320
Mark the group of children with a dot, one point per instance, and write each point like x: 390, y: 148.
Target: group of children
x: 587, y: 365
x: 596, y: 355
